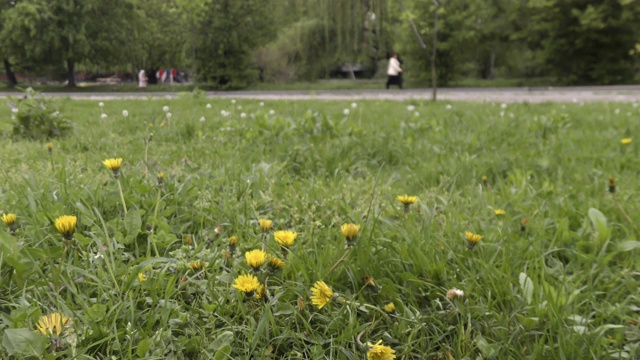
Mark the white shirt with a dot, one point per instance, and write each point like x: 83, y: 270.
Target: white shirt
x: 394, y: 67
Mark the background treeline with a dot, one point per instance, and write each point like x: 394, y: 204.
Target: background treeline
x: 233, y: 43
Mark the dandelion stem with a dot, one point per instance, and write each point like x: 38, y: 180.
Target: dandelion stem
x: 53, y: 168
x: 338, y: 262
x: 146, y: 157
x: 155, y: 218
x: 124, y: 205
x: 624, y: 212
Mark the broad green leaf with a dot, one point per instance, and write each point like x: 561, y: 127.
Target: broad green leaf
x: 599, y: 222
x: 222, y: 340
x: 628, y: 245
x: 527, y: 287
x: 133, y: 222
x: 24, y: 342
x: 488, y: 351
x: 223, y: 353
x: 143, y: 347
x: 97, y: 312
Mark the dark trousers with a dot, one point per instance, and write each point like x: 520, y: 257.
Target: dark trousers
x: 394, y: 80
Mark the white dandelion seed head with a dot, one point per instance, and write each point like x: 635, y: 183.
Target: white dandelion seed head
x: 15, y: 110
x: 411, y: 108
x: 169, y: 115
x: 416, y: 114
x: 103, y: 116
x: 208, y: 106
x: 125, y: 113
x: 243, y: 115
x: 202, y: 119
x: 354, y: 105
x: 345, y: 111
x: 261, y: 103
x: 239, y: 107
x: 503, y: 105
x: 165, y: 108
x: 272, y: 112
x: 101, y: 104
x: 233, y: 101
x: 501, y: 113
x: 449, y: 107
x: 616, y: 111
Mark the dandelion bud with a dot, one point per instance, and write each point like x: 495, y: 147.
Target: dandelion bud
x: 160, y: 179
x: 612, y: 185
x: 390, y: 308
x: 523, y: 224
x: 50, y: 147
x: 300, y: 304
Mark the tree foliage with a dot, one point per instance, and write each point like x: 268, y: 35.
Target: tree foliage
x: 231, y: 43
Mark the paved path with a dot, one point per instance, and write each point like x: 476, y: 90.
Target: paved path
x: 523, y: 94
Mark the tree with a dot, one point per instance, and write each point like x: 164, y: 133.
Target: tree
x: 586, y: 42
x: 229, y: 31
x: 4, y: 54
x: 53, y: 32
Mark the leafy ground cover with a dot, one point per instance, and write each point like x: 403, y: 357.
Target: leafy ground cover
x: 516, y: 246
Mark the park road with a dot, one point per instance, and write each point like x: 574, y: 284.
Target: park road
x: 620, y: 93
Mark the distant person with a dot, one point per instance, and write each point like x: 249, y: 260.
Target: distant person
x: 394, y: 72
x: 142, y: 79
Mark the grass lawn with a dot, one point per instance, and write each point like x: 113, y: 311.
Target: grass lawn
x: 554, y: 276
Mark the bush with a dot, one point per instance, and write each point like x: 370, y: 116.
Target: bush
x: 37, y: 117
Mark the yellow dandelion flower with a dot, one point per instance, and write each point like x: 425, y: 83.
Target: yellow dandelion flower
x: 188, y: 240
x: 275, y: 263
x: 472, y: 239
x: 160, y: 179
x: 196, y: 265
x: 246, y: 283
x: 142, y: 277
x: 9, y: 219
x: 66, y: 225
x: 113, y: 164
x: 626, y: 141
x: 261, y: 292
x: 378, y: 351
x: 52, y: 324
x: 265, y: 224
x: 285, y: 237
x: 255, y: 258
x: 499, y: 211
x: 350, y: 231
x: 50, y: 147
x: 390, y: 308
x: 322, y: 294
x: 407, y: 200
x: 233, y: 241
x: 485, y: 178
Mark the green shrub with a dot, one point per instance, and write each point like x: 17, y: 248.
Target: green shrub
x: 38, y: 117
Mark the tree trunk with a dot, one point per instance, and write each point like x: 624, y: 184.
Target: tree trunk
x: 492, y: 64
x: 11, y: 77
x: 352, y: 75
x: 434, y: 78
x: 71, y: 73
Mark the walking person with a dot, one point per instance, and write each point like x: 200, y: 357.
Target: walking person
x: 142, y: 79
x: 394, y: 72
